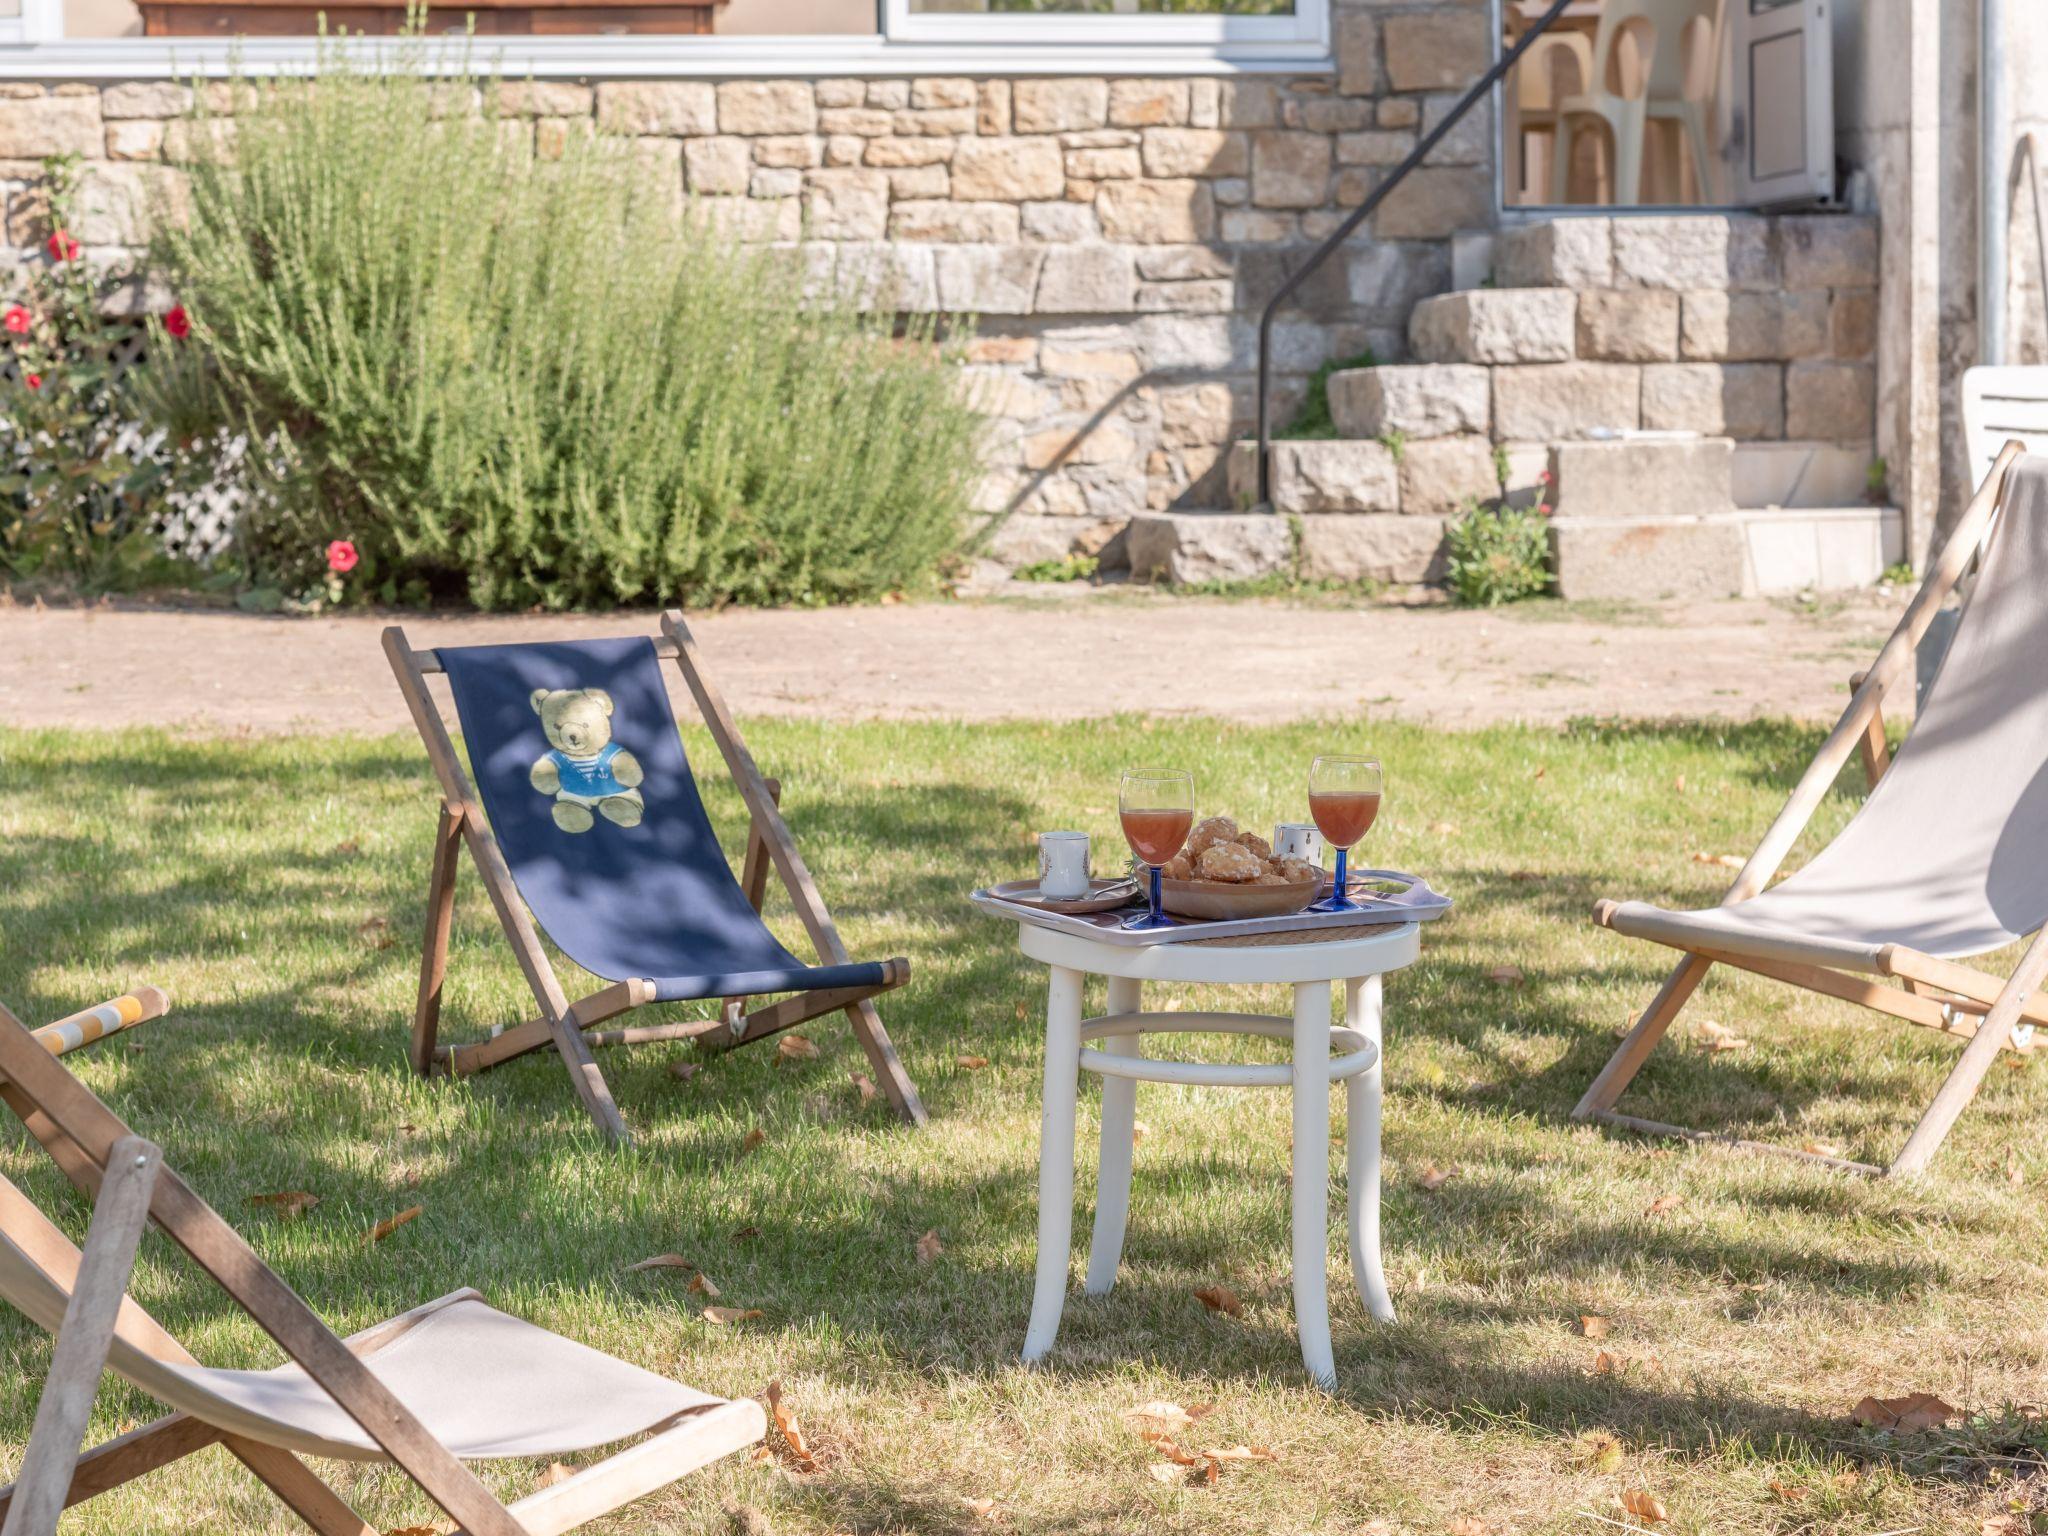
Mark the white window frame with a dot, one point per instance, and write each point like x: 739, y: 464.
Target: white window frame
x: 33, y: 46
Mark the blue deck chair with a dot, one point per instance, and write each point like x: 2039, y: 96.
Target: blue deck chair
x: 597, y: 837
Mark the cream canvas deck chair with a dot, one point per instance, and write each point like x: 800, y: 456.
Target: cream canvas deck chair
x: 596, y: 835
x: 1947, y: 858
x: 447, y: 1383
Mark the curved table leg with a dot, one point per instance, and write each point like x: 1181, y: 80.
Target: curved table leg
x: 1119, y: 1120
x: 1362, y: 1152
x: 1311, y: 1179
x: 1056, y: 1159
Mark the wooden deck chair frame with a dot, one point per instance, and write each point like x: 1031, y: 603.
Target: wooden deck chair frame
x: 1991, y: 1013
x: 131, y: 1187
x: 570, y: 1027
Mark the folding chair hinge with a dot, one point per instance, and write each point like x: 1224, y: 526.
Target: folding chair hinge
x: 735, y: 1017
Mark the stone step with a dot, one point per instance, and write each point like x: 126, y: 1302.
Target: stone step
x: 1820, y: 549
x: 1496, y: 325
x: 1329, y: 475
x: 1412, y: 400
x: 1802, y: 474
x: 1724, y: 554
x: 1670, y: 477
x: 1187, y: 548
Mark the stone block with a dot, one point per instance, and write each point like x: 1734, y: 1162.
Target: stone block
x: 1647, y: 558
x: 1358, y: 53
x: 1743, y: 400
x: 145, y: 98
x: 1327, y: 114
x: 766, y: 106
x: 549, y: 98
x: 140, y: 138
x: 1195, y: 152
x: 1827, y: 250
x: 946, y: 221
x: 1720, y: 326
x: 1176, y: 211
x: 1683, y: 477
x: 1255, y: 226
x: 1007, y: 170
x: 944, y: 91
x: 116, y: 202
x: 1374, y: 146
x: 1441, y: 475
x: 860, y: 122
x: 841, y: 93
x: 1183, y: 263
x: 772, y: 181
x: 1086, y: 279
x: 1055, y: 106
x: 1103, y: 164
x: 657, y: 106
x: 890, y: 95
x: 1837, y: 401
x: 886, y: 276
x: 846, y: 204
x: 1471, y: 142
x: 1200, y: 342
x: 1434, y: 203
x: 50, y: 125
x: 1628, y: 325
x: 1196, y: 415
x: 1248, y: 101
x: 1801, y: 474
x: 1334, y: 476
x: 1551, y: 401
x: 988, y: 279
x: 1696, y: 251
x: 1206, y: 296
x: 717, y: 166
x: 1181, y: 548
x: 1436, y: 50
x: 1495, y: 325
x: 1290, y: 170
x: 1565, y: 253
x: 1390, y: 278
x: 1148, y: 103
x: 936, y: 122
x: 1852, y: 324
x: 992, y: 110
x: 1415, y: 400
x: 1378, y: 546
x: 1060, y: 222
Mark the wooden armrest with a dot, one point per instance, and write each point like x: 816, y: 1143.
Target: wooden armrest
x: 1874, y: 749
x: 108, y: 1018
x: 754, y: 877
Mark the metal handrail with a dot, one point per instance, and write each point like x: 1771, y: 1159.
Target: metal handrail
x: 1363, y: 212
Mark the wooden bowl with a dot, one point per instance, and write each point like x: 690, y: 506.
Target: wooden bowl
x: 1226, y: 901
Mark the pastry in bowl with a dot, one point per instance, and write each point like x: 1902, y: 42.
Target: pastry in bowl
x: 1225, y: 873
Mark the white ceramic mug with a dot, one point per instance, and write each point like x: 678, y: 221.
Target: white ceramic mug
x: 1298, y: 840
x: 1063, y: 865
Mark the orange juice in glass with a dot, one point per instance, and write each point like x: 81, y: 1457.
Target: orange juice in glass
x: 1344, y: 799
x: 1157, y: 807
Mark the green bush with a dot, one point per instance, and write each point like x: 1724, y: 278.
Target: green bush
x: 529, y: 381
x: 1498, y: 555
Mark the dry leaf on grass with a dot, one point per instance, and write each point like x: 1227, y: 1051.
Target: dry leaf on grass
x: 557, y: 1472
x: 1221, y: 1298
x: 731, y: 1314
x: 1604, y: 1364
x: 390, y: 1224
x: 700, y: 1284
x: 1822, y: 1149
x: 1908, y: 1415
x: 1433, y: 1177
x: 1663, y: 1205
x: 683, y: 1071
x: 754, y: 1138
x: 970, y: 1063
x: 1724, y: 860
x: 1592, y: 1326
x: 1159, y: 1418
x: 2005, y: 1525
x: 2014, y: 1174
x: 865, y: 1087
x: 1243, y: 1453
x: 661, y: 1261
x: 1644, y: 1505
x: 1788, y: 1493
x: 929, y: 1247
x: 290, y: 1204
x: 438, y: 1528
x: 1506, y: 976
x: 1468, y: 1527
x: 796, y: 1449
x: 984, y: 1509
x: 745, y: 1234
x: 375, y: 932
x: 796, y: 1048
x: 1139, y: 1131
x: 1443, y: 828
x: 1716, y: 1038
x: 1166, y: 1472
x: 1597, y: 1449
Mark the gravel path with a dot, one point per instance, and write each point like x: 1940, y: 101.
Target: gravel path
x: 1073, y: 656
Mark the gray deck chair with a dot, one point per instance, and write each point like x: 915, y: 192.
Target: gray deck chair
x: 1947, y: 858
x: 449, y: 1382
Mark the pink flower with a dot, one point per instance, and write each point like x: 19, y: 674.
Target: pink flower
x: 177, y: 322
x: 17, y: 320
x: 62, y: 246
x: 342, y: 556
x: 1543, y: 509
x: 32, y: 380
x: 1543, y: 478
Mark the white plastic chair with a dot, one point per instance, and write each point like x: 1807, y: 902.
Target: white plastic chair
x: 2002, y: 404
x: 1651, y: 59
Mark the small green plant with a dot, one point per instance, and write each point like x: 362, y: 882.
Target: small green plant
x: 1395, y: 441
x: 1877, y: 489
x: 1313, y: 419
x: 1498, y: 555
x: 1898, y: 574
x: 1074, y: 567
x: 518, y: 381
x: 1501, y: 467
x: 81, y: 483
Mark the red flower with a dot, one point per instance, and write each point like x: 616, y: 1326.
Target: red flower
x: 177, y: 322
x: 32, y: 380
x: 342, y: 556
x: 17, y: 320
x: 1543, y: 509
x: 62, y: 246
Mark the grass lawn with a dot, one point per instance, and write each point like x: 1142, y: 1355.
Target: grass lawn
x: 275, y: 888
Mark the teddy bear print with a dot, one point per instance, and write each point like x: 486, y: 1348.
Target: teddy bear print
x: 584, y: 769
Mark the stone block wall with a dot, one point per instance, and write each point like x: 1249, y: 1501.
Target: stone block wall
x: 1115, y: 236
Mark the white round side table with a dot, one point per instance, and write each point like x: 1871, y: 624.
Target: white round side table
x: 1111, y: 1047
